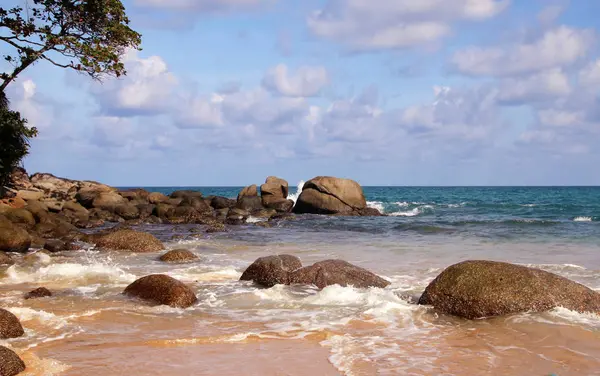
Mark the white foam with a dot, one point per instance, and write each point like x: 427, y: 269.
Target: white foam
x: 376, y: 205
x: 69, y: 272
x: 582, y: 219
x: 294, y: 196
x: 410, y: 213
x: 587, y: 319
x: 252, y: 219
x: 207, y: 274
x: 27, y: 314
x: 401, y: 203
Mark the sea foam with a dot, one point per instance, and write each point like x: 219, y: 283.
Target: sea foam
x: 294, y: 196
x: 582, y: 219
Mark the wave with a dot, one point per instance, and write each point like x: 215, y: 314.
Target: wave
x: 414, y: 212
x: 294, y: 196
x: 583, y: 219
x: 68, y: 273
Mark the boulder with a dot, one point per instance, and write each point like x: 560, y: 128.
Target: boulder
x: 53, y: 204
x: 30, y: 195
x: 186, y: 194
x: 216, y: 227
x: 222, y: 202
x: 330, y: 195
x: 76, y: 213
x: 163, y: 210
x: 264, y: 213
x: 274, y: 189
x: 184, y: 214
x: 336, y: 272
x: 63, y: 189
x: 237, y: 216
x: 19, y: 216
x: 250, y: 203
x: 57, y: 245
x: 135, y: 194
x: 38, y: 209
x: 108, y: 201
x: 178, y: 255
x: 156, y: 198
x: 13, y: 238
x: 249, y: 191
x: 478, y: 289
x: 272, y: 270
x: 162, y: 289
x: 5, y: 259
x: 129, y: 240
x: 86, y: 196
x: 127, y: 211
x: 10, y: 326
x: 145, y: 210
x: 14, y: 202
x: 40, y: 292
x: 197, y: 203
x: 10, y: 363
x: 281, y: 205
x: 19, y: 179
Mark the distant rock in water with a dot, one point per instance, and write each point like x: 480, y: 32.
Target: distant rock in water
x: 336, y: 272
x: 178, y: 255
x: 162, y: 289
x: 330, y: 195
x: 478, y: 289
x: 10, y: 363
x: 40, y: 292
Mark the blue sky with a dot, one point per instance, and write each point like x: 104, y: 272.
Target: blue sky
x: 403, y: 92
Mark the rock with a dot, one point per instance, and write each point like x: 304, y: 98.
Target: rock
x: 135, y: 194
x: 250, y: 203
x: 19, y: 179
x: 329, y: 195
x: 222, y: 202
x: 197, y: 203
x: 76, y: 213
x: 56, y: 245
x: 38, y: 209
x: 129, y: 240
x: 178, y: 255
x: 217, y: 227
x: 264, y: 213
x: 369, y: 212
x: 30, y: 195
x: 478, y: 289
x: 40, y: 292
x: 163, y: 210
x: 272, y: 270
x: 274, y: 189
x: 20, y: 216
x: 264, y: 224
x: 74, y: 207
x: 10, y: 363
x: 54, y: 186
x: 86, y: 196
x: 13, y: 238
x: 237, y: 216
x: 10, y: 326
x: 127, y: 211
x: 56, y: 226
x: 14, y: 202
x: 108, y: 201
x: 156, y: 198
x: 184, y: 214
x: 145, y: 210
x: 162, y: 289
x: 5, y: 259
x: 53, y: 204
x: 281, y: 205
x: 249, y: 191
x: 104, y: 215
x: 186, y: 194
x: 336, y: 272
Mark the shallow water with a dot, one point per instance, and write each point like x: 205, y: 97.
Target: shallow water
x: 89, y: 328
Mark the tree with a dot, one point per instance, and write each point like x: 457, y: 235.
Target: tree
x: 88, y: 36
x: 15, y: 136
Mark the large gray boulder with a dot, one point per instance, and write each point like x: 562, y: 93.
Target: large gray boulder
x: 478, y: 289
x: 330, y: 195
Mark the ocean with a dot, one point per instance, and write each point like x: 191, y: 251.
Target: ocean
x: 90, y: 328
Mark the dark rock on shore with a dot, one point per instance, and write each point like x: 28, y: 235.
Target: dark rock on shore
x: 330, y: 195
x: 127, y: 211
x: 280, y: 205
x: 186, y: 194
x: 222, y: 202
x: 178, y: 255
x: 332, y: 272
x: 10, y: 363
x: 40, y: 292
x: 128, y: 240
x: 250, y: 203
x: 272, y: 270
x: 478, y: 289
x: 162, y: 289
x: 249, y: 191
x: 10, y: 326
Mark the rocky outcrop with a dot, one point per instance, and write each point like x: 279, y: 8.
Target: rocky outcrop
x: 330, y: 195
x: 157, y: 198
x: 186, y: 194
x: 10, y: 326
x: 10, y: 363
x: 478, y: 289
x: 108, y: 201
x: 18, y: 216
x: 178, y: 255
x: 274, y: 190
x: 272, y: 270
x: 249, y: 191
x: 130, y: 240
x: 40, y: 292
x: 218, y: 202
x: 162, y: 289
x: 336, y: 272
x: 250, y: 203
x: 13, y: 238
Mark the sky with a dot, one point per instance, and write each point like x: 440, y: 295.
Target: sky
x: 402, y: 92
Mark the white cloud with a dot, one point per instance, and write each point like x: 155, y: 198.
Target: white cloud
x: 306, y: 81
x: 25, y: 99
x: 559, y: 118
x: 384, y: 24
x: 201, y: 5
x: 147, y: 88
x: 201, y: 112
x: 589, y: 76
x: 558, y: 47
x: 549, y: 84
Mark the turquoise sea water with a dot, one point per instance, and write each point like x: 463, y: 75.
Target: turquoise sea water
x: 500, y: 213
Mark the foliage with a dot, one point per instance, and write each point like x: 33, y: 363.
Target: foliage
x: 88, y: 36
x: 14, y: 136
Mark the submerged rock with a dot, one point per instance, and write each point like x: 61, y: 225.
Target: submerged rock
x: 178, y: 255
x: 10, y: 363
x: 272, y: 270
x: 40, y: 292
x: 478, y: 289
x: 330, y: 195
x: 162, y: 289
x: 336, y: 272
x: 10, y: 326
x: 129, y: 240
